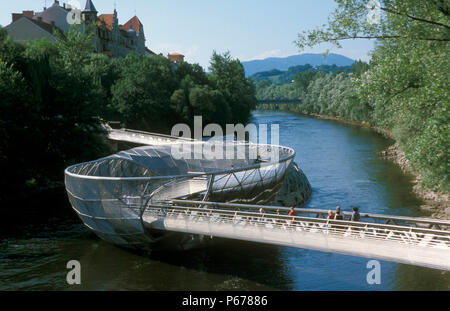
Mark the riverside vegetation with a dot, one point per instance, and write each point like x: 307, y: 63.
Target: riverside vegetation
x: 53, y: 96
x: 404, y: 90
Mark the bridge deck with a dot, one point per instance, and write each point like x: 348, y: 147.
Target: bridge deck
x: 410, y: 244
x: 280, y: 101
x: 139, y: 137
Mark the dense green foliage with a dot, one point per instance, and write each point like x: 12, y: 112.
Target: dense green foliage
x: 228, y: 76
x: 298, y: 87
x: 331, y: 94
x: 53, y: 96
x: 224, y: 96
x: 406, y: 88
x: 46, y: 121
x: 282, y: 77
x: 408, y: 92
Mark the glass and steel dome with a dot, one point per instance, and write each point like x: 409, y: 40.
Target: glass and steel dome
x: 110, y: 195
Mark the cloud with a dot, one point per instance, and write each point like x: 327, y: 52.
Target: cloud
x: 266, y: 54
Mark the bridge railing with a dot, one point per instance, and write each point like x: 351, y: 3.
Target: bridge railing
x: 320, y: 213
x: 341, y: 228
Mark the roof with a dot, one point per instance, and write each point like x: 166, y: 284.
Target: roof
x: 89, y: 7
x: 107, y: 19
x: 47, y: 27
x: 175, y: 54
x: 136, y: 23
x: 150, y: 51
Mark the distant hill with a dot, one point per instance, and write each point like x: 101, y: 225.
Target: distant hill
x: 276, y: 76
x: 255, y: 66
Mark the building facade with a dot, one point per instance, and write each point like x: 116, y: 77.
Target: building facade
x: 111, y: 38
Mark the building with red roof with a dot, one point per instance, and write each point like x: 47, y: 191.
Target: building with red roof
x: 111, y: 38
x: 176, y: 58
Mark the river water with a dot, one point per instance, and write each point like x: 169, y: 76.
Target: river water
x: 342, y: 165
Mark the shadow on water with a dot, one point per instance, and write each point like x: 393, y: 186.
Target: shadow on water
x: 37, y: 261
x: 412, y: 278
x: 218, y: 267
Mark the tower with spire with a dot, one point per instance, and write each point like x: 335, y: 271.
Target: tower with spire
x: 89, y: 13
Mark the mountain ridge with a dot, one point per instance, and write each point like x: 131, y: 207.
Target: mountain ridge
x: 284, y: 63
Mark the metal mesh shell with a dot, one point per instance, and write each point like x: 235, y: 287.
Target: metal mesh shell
x: 110, y: 194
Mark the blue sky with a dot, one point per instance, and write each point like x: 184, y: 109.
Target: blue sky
x: 249, y: 29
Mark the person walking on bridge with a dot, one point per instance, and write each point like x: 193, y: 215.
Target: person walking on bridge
x: 355, y: 215
x: 338, y: 215
x: 330, y: 215
x: 292, y: 212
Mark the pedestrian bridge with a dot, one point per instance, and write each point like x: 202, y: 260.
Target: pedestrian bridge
x: 415, y: 241
x: 121, y: 205
x: 280, y: 101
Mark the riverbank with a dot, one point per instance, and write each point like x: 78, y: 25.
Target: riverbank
x: 436, y: 203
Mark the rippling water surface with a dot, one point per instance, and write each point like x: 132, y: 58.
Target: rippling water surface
x: 342, y: 165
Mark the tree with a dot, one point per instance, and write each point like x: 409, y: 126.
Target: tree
x: 399, y: 19
x: 142, y: 93
x: 12, y: 104
x: 194, y: 71
x: 194, y: 100
x: 210, y: 104
x: 359, y: 67
x: 228, y: 76
x: 405, y: 89
x: 303, y: 79
x: 262, y: 85
x: 46, y: 123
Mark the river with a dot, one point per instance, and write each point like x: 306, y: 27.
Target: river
x: 342, y: 165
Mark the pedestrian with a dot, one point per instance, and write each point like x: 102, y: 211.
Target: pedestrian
x: 261, y: 212
x: 330, y: 215
x: 292, y: 212
x: 355, y: 215
x: 338, y: 215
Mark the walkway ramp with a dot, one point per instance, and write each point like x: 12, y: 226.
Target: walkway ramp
x: 419, y: 243
x: 181, y: 188
x: 144, y: 138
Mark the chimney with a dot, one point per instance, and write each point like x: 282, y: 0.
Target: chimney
x: 29, y: 14
x: 16, y: 16
x: 64, y: 5
x: 57, y: 2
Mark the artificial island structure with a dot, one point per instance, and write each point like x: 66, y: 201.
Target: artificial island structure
x: 150, y: 198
